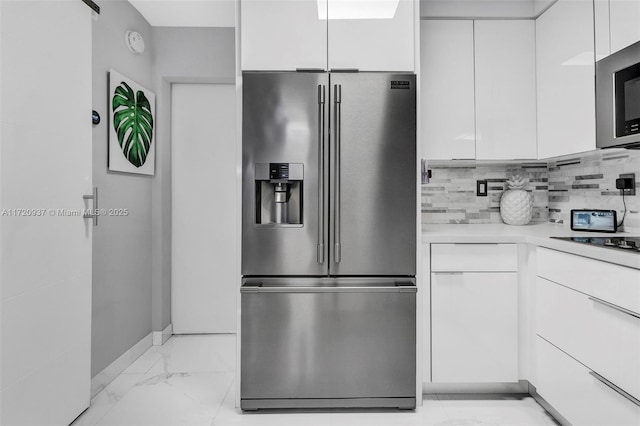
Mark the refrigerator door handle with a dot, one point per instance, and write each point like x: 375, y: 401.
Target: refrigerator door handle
x: 337, y: 99
x: 321, y: 103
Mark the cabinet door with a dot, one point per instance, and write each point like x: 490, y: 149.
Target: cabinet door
x: 580, y: 397
x: 505, y: 84
x: 602, y: 337
x: 283, y: 35
x: 447, y: 109
x: 474, y: 326
x: 371, y: 35
x: 601, y: 21
x: 566, y: 74
x: 624, y: 17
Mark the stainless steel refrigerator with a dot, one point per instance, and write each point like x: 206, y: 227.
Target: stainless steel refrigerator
x: 328, y: 293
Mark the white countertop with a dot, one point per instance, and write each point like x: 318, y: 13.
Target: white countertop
x: 537, y: 233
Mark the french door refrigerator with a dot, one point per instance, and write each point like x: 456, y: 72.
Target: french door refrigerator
x: 328, y: 292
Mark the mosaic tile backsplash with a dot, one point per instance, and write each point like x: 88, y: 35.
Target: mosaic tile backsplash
x: 589, y: 181
x: 450, y: 195
x: 559, y: 185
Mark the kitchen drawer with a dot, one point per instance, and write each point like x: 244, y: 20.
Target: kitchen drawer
x: 613, y: 283
x: 474, y: 257
x: 599, y: 336
x: 576, y: 394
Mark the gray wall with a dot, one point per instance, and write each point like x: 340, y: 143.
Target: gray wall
x: 121, y: 311
x: 132, y: 255
x: 182, y: 55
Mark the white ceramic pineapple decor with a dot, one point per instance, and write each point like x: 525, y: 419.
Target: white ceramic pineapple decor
x: 516, y: 204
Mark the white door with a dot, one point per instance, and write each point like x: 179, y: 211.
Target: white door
x: 46, y: 167
x: 203, y: 208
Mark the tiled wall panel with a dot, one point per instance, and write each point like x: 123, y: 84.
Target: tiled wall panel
x: 573, y: 182
x: 450, y: 196
x: 588, y: 181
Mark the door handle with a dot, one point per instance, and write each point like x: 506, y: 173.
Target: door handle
x: 321, y: 102
x: 337, y: 99
x: 94, y: 206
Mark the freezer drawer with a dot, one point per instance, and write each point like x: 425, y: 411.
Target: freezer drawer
x: 328, y: 343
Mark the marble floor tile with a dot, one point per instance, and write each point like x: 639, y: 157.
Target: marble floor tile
x: 198, y: 353
x: 106, y: 399
x: 147, y: 360
x: 191, y: 381
x: 171, y: 399
x: 506, y: 411
x: 429, y: 414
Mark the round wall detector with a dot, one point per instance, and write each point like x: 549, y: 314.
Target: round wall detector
x: 135, y: 42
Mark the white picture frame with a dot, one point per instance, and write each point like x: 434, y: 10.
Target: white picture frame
x: 132, y: 126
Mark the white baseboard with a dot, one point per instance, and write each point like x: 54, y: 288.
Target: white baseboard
x: 113, y: 370
x: 160, y: 337
x: 475, y: 388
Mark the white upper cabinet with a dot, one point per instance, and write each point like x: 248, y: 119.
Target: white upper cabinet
x: 505, y: 84
x: 617, y: 25
x: 447, y: 89
x: 624, y: 18
x: 478, y: 89
x: 371, y: 35
x: 565, y: 76
x: 601, y: 20
x: 283, y: 35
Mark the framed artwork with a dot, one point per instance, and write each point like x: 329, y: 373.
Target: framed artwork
x: 132, y: 110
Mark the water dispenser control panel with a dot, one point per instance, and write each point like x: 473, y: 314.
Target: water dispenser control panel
x: 278, y: 170
x: 279, y: 194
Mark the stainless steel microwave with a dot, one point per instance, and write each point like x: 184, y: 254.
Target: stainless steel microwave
x: 618, y: 99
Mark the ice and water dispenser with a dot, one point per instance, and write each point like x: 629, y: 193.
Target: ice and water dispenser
x: 279, y: 194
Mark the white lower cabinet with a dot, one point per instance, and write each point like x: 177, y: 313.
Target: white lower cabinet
x: 588, y: 338
x: 474, y: 327
x: 603, y: 338
x: 474, y: 315
x: 577, y: 394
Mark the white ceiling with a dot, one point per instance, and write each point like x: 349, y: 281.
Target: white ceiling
x: 483, y: 8
x: 187, y: 13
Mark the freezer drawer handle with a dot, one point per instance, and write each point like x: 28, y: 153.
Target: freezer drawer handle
x: 321, y: 98
x: 406, y: 287
x: 614, y: 307
x: 337, y: 99
x: 385, y: 289
x: 615, y: 388
x: 251, y: 287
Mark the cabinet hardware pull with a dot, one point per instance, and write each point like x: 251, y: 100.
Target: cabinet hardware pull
x: 615, y: 307
x: 615, y: 388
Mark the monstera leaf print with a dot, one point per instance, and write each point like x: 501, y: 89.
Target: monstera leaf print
x: 133, y: 123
